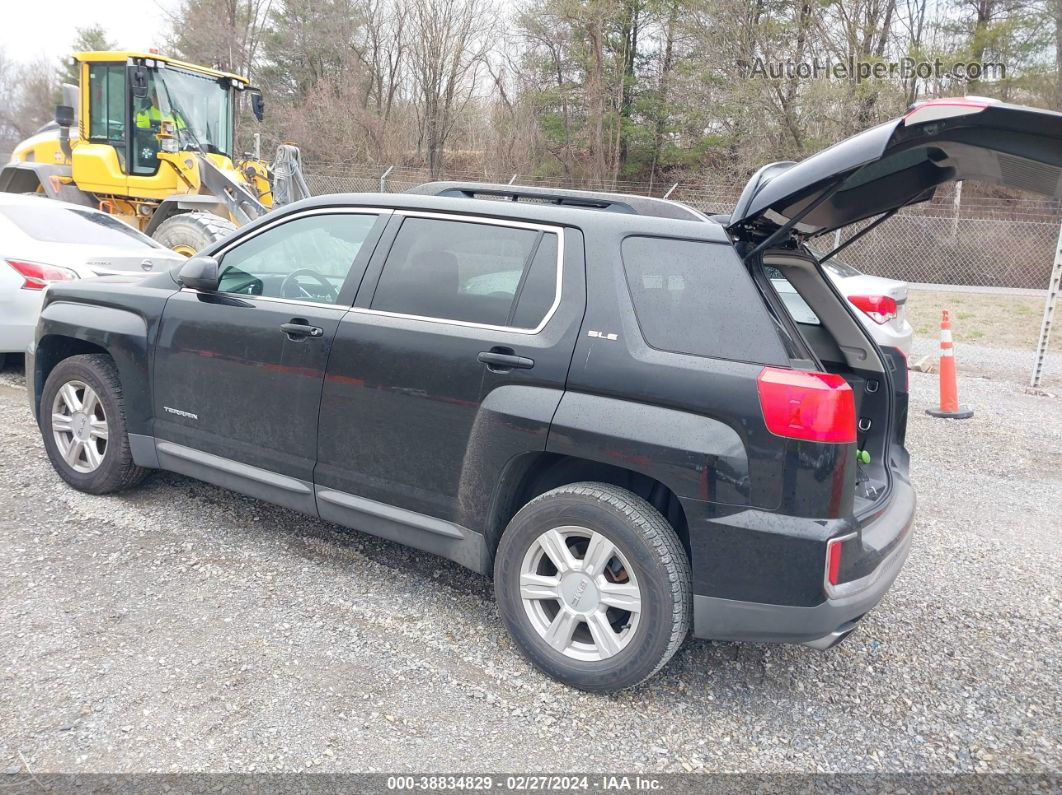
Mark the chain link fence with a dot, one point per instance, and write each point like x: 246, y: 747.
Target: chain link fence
x: 981, y: 241
x: 964, y: 251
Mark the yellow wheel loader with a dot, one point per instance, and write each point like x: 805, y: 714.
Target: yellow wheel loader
x: 151, y: 140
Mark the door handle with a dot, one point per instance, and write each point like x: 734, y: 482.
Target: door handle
x: 296, y: 329
x: 502, y: 360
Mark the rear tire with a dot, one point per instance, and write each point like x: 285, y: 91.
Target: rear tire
x: 189, y: 233
x: 82, y: 421
x: 615, y: 608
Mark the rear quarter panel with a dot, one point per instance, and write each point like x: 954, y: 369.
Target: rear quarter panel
x: 757, y: 506
x: 688, y: 421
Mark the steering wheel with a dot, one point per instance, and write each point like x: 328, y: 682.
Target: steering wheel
x: 185, y: 140
x: 251, y: 286
x: 292, y: 280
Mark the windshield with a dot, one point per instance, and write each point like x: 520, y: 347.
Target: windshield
x: 50, y: 223
x: 201, y: 108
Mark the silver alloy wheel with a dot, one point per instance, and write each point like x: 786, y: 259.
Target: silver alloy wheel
x: 79, y: 426
x: 580, y: 593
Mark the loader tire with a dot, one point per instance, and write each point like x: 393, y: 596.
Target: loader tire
x: 189, y: 233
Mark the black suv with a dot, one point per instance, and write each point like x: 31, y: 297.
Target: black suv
x: 600, y: 399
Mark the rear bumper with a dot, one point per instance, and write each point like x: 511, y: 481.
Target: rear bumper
x: 827, y: 623
x: 888, y: 336
x: 14, y: 337
x: 18, y: 315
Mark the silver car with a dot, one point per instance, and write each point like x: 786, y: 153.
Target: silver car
x: 44, y: 241
x: 881, y: 303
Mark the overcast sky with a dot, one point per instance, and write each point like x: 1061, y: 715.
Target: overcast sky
x: 34, y: 28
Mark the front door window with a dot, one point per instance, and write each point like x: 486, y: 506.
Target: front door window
x: 307, y: 259
x: 147, y: 121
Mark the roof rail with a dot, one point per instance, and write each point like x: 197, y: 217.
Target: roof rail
x: 584, y: 199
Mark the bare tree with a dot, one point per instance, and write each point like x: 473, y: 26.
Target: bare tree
x: 1058, y: 54
x: 225, y: 34
x: 384, y: 52
x: 29, y: 93
x: 9, y: 92
x: 449, y: 42
x: 662, y: 96
x: 587, y: 92
x: 546, y: 60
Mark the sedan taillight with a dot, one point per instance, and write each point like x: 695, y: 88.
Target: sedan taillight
x: 879, y: 308
x: 37, y: 276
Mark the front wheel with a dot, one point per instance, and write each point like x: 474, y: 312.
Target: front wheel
x: 594, y: 585
x: 188, y: 233
x: 82, y: 420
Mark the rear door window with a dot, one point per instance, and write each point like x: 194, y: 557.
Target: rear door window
x: 470, y: 272
x: 538, y: 291
x: 697, y: 298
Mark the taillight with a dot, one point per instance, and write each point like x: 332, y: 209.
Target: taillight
x: 37, y: 276
x: 879, y: 308
x: 815, y: 407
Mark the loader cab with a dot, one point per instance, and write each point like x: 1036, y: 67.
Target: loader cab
x: 143, y: 109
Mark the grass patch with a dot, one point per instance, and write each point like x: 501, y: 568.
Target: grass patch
x: 999, y: 321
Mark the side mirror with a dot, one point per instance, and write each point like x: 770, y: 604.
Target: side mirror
x: 64, y: 115
x: 258, y: 105
x: 138, y: 81
x: 199, y: 273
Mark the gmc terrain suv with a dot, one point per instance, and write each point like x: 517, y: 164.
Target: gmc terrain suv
x: 600, y: 399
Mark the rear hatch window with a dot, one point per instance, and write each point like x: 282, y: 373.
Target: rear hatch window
x: 50, y: 223
x: 697, y: 298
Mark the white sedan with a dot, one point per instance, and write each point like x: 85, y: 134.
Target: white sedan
x: 44, y: 241
x: 881, y: 303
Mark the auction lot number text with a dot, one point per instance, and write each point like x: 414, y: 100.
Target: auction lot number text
x: 522, y: 783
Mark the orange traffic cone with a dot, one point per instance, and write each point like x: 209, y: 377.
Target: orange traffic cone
x: 949, y: 389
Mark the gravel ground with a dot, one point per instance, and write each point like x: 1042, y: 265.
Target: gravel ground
x: 994, y: 363
x: 180, y: 627
x: 983, y: 325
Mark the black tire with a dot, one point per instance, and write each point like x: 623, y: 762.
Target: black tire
x: 651, y: 548
x: 189, y: 233
x: 3, y: 360
x: 116, y: 470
